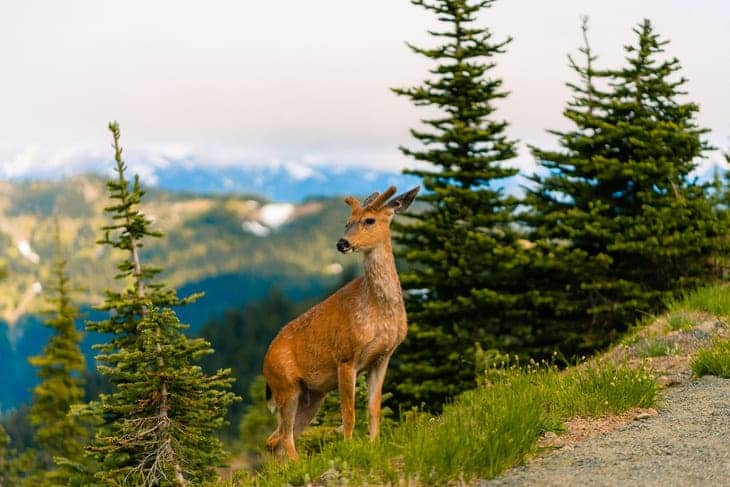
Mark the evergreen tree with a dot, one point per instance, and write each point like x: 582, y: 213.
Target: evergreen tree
x: 60, y: 369
x: 17, y: 468
x: 725, y: 191
x: 722, y: 261
x: 462, y: 249
x: 4, y: 458
x: 240, y: 338
x: 619, y: 224
x: 159, y: 424
x: 257, y: 422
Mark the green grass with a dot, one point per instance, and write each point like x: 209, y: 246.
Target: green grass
x: 714, y: 300
x: 480, y: 434
x: 659, y: 348
x: 714, y: 360
x: 496, y: 426
x: 680, y: 320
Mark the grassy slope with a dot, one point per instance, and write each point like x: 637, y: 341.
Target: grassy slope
x: 494, y: 427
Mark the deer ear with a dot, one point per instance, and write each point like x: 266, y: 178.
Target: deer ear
x: 401, y: 202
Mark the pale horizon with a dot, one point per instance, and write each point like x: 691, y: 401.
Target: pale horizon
x: 304, y: 84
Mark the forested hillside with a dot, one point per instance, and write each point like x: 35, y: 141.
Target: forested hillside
x: 233, y: 248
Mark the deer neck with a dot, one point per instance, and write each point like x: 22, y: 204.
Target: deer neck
x: 381, y: 276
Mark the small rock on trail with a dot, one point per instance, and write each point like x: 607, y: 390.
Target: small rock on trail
x: 686, y: 444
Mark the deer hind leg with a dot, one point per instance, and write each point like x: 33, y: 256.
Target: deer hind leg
x: 282, y: 439
x: 346, y: 375
x: 376, y: 376
x: 309, y: 403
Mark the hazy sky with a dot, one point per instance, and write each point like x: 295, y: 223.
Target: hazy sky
x: 237, y: 81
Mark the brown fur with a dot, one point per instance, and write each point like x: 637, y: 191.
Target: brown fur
x: 353, y: 331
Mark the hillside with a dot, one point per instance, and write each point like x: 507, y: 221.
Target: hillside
x: 648, y: 413
x: 681, y: 442
x: 234, y: 247
x: 204, y: 236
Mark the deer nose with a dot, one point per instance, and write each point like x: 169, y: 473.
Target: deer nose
x: 343, y: 245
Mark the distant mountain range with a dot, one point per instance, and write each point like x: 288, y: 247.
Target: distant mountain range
x: 288, y: 183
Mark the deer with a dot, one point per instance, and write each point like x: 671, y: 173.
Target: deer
x: 352, y: 332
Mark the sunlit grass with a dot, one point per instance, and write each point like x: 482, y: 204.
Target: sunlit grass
x: 496, y: 426
x: 712, y: 299
x: 482, y: 433
x: 659, y: 348
x: 714, y: 360
x: 680, y: 321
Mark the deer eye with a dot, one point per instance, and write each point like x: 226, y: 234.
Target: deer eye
x: 369, y: 221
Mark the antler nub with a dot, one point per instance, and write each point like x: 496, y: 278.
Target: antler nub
x: 381, y: 198
x: 353, y: 202
x: 366, y: 202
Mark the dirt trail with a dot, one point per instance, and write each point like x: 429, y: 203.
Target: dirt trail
x: 686, y: 444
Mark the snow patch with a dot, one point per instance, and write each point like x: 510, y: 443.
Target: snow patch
x: 299, y: 171
x: 274, y: 215
x: 333, y: 269
x: 255, y: 228
x: 420, y: 293
x: 26, y: 251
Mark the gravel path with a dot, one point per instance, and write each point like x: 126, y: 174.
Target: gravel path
x: 686, y: 444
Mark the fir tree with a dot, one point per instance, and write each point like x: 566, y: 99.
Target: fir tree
x: 462, y: 248
x: 159, y: 424
x: 17, y: 468
x: 4, y: 458
x: 619, y: 224
x: 60, y: 369
x: 257, y: 422
x: 725, y: 191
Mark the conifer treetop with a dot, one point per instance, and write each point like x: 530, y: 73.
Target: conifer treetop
x: 462, y: 246
x: 60, y: 368
x: 129, y: 227
x: 465, y: 143
x: 158, y: 426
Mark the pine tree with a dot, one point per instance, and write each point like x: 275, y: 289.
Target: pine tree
x: 722, y: 206
x: 462, y: 249
x: 60, y: 369
x: 620, y: 225
x: 159, y: 424
x: 17, y: 468
x: 569, y: 219
x: 726, y: 190
x: 257, y: 422
x: 4, y: 458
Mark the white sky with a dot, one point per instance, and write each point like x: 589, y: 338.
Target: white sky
x: 230, y: 81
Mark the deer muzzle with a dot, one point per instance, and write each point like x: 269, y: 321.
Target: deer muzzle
x: 344, y: 246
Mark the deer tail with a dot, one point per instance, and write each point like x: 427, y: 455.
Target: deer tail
x: 269, y: 400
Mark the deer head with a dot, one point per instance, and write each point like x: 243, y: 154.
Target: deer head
x: 369, y: 223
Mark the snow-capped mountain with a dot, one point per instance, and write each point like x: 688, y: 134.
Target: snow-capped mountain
x: 285, y: 183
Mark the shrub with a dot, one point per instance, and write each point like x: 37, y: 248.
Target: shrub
x: 680, y: 320
x: 714, y: 360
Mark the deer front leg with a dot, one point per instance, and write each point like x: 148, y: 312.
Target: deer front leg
x: 376, y: 376
x: 346, y: 381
